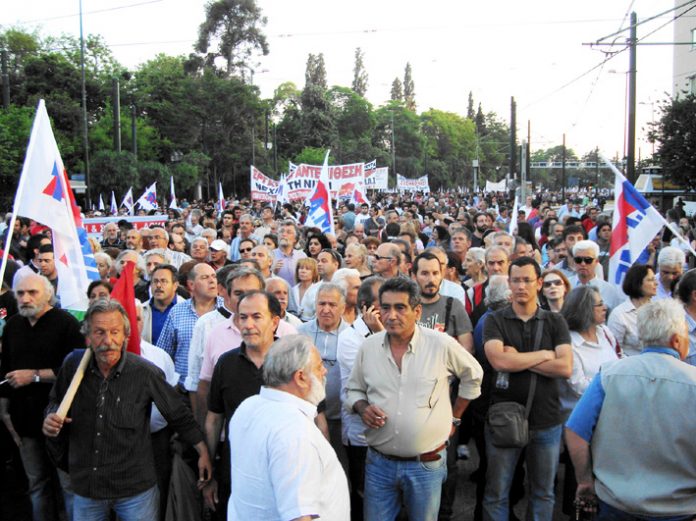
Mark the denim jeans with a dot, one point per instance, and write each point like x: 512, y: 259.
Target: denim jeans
x: 141, y: 507
x: 41, y: 475
x: 542, y: 463
x: 419, y: 482
x: 607, y: 512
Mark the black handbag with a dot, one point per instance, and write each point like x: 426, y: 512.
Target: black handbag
x: 508, y: 422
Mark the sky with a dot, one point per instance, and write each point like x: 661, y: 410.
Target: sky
x: 498, y: 49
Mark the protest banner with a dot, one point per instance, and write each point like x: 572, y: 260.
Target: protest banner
x: 95, y: 225
x: 342, y: 178
x: 377, y: 178
x: 263, y: 188
x: 412, y: 185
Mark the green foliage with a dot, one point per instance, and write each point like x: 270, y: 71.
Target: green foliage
x: 147, y: 137
x: 359, y: 73
x: 15, y: 127
x: 409, y: 89
x: 313, y: 156
x: 236, y: 27
x: 397, y: 90
x: 315, y: 73
x: 676, y: 134
x: 116, y: 171
x: 470, y: 107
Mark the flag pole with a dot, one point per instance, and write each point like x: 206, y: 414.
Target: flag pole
x: 18, y: 194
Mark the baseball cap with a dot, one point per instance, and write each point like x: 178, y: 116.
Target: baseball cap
x: 218, y: 245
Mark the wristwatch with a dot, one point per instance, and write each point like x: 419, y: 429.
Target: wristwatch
x: 456, y: 421
x: 37, y: 377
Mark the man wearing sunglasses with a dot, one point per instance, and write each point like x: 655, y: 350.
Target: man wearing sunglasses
x: 585, y: 256
x: 387, y: 260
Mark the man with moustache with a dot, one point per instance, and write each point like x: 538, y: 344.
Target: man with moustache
x: 106, y: 439
x: 34, y: 344
x: 282, y: 466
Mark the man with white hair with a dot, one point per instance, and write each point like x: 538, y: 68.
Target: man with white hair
x: 34, y: 343
x: 159, y: 239
x: 282, y: 467
x: 199, y: 249
x: 246, y: 230
x: 670, y: 266
x: 280, y: 289
x: 654, y: 476
x: 142, y: 288
x: 586, y: 258
x: 349, y: 280
x: 323, y: 330
x: 263, y: 255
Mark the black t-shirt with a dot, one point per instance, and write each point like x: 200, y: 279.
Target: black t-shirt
x: 504, y: 325
x: 41, y: 346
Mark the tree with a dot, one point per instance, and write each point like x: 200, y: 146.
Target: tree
x: 409, y: 89
x: 315, y: 73
x: 480, y: 120
x: 15, y: 127
x: 111, y: 170
x: 470, y: 107
x: 355, y: 122
x: 397, y: 90
x: 359, y: 74
x: 676, y: 134
x: 235, y: 25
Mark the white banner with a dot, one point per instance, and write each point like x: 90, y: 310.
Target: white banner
x: 412, y: 185
x: 263, y: 188
x: 342, y: 178
x: 495, y: 187
x: 95, y: 225
x: 377, y: 179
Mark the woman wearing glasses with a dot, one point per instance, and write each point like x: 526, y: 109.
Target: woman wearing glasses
x: 307, y: 275
x: 640, y: 285
x: 555, y: 286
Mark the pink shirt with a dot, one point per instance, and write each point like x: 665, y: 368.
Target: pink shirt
x: 224, y: 337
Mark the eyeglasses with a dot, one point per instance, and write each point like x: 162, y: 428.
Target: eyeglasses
x: 584, y: 260
x: 554, y: 282
x: 379, y: 257
x: 599, y: 304
x: 245, y: 250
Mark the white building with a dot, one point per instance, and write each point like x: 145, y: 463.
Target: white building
x: 684, y: 70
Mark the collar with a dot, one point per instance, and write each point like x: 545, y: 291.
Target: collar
x: 173, y: 303
x: 224, y: 311
x: 509, y: 313
x: 116, y: 371
x: 411, y: 343
x: 690, y: 322
x: 314, y: 327
x: 276, y: 395
x: 662, y: 350
x: 361, y: 328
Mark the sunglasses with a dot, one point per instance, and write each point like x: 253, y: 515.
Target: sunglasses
x: 584, y: 260
x: 379, y: 257
x: 245, y: 250
x: 554, y: 282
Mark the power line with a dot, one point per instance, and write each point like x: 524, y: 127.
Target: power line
x: 97, y: 11
x: 648, y: 20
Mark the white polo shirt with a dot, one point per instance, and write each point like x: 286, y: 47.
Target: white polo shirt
x: 282, y: 466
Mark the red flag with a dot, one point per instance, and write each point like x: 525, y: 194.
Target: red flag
x: 124, y: 292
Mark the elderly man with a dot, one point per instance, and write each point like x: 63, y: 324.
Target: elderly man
x: 159, y: 239
x: 154, y: 258
x: 134, y: 241
x: 163, y: 286
x: 218, y: 254
x: 349, y: 280
x: 670, y: 265
x: 112, y: 237
x: 286, y: 256
x: 263, y: 255
x: 34, y: 344
x: 199, y: 249
x: 461, y: 242
x: 387, y: 260
x: 282, y: 467
x: 654, y: 476
x: 107, y: 437
x: 586, y: 259
x: 399, y: 387
x: 280, y: 289
x: 323, y: 330
x: 140, y: 285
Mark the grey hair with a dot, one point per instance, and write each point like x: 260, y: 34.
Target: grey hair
x: 286, y: 356
x: 479, y: 254
x: 586, y: 245
x: 48, y: 287
x: 342, y: 274
x: 326, y: 287
x: 200, y: 239
x: 166, y: 233
x: 501, y: 234
x: 278, y: 279
x: 497, y: 292
x: 578, y: 308
x: 209, y: 232
x: 493, y: 249
x: 100, y: 255
x: 671, y: 256
x: 659, y: 320
x: 161, y: 252
x: 103, y: 305
x: 241, y: 273
x: 139, y: 261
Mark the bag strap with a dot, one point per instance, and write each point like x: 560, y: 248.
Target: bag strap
x: 532, y: 384
x: 448, y: 310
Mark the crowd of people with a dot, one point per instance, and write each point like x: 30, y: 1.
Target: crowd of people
x: 286, y: 373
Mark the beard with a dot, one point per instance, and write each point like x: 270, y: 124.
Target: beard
x: 430, y: 291
x: 29, y: 310
x: 318, y: 391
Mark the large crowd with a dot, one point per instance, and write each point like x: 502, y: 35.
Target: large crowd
x: 285, y: 373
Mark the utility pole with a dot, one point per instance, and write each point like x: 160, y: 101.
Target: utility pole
x: 134, y: 132
x: 393, y: 148
x: 116, y: 103
x: 528, y: 162
x: 597, y: 173
x: 5, y: 82
x: 563, y: 172
x: 631, y: 148
x: 513, y: 138
x: 523, y: 171
x: 85, y: 128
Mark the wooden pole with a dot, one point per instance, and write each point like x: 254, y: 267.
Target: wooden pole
x: 74, y: 385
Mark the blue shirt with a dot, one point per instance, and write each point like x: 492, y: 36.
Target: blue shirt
x: 175, y: 337
x: 584, y: 417
x: 158, y: 318
x: 691, y: 324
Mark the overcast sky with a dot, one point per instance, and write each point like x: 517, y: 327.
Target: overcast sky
x: 497, y: 49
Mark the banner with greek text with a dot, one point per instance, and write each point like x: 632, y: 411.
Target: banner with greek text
x: 263, y: 188
x: 342, y: 178
x: 377, y: 178
x: 412, y: 185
